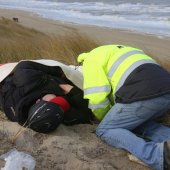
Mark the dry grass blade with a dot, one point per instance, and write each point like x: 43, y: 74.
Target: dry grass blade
x: 22, y: 129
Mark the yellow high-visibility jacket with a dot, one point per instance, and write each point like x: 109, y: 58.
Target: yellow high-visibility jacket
x: 105, y: 70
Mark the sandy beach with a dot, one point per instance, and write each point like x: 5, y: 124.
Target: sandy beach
x: 77, y: 147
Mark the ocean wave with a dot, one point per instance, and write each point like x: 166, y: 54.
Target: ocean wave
x: 153, y: 18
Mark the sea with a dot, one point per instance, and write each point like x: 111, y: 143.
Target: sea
x: 144, y: 16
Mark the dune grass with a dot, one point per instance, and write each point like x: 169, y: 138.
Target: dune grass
x: 18, y: 42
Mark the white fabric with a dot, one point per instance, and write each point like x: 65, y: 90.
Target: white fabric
x: 73, y: 74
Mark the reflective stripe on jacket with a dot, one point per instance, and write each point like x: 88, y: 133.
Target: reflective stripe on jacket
x: 105, y: 70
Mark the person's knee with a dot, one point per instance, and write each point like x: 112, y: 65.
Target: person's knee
x: 99, y: 131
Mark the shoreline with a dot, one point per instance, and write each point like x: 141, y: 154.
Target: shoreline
x: 130, y: 30
x: 9, y: 13
x: 155, y: 46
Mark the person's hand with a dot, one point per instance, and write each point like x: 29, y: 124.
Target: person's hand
x: 66, y: 88
x: 46, y: 97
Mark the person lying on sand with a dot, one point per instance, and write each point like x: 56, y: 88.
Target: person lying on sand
x: 41, y: 97
x: 127, y: 90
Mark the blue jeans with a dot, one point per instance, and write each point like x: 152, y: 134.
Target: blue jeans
x: 131, y: 127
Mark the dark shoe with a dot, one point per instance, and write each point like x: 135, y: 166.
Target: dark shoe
x: 167, y: 155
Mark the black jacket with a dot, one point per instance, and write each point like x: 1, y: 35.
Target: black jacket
x: 29, y: 82
x: 145, y: 82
